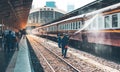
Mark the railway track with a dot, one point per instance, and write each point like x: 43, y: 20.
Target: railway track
x: 55, y: 62
x: 80, y: 64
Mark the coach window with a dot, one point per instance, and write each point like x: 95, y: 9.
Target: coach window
x: 68, y: 26
x: 114, y: 20
x: 49, y: 28
x: 76, y: 25
x: 65, y: 26
x: 53, y: 27
x: 107, y: 21
x: 60, y: 27
x: 80, y: 24
x: 71, y: 26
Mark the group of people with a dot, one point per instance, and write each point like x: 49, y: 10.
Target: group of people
x: 63, y: 43
x: 10, y: 40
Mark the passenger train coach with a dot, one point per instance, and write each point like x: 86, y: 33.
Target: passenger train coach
x: 100, y: 27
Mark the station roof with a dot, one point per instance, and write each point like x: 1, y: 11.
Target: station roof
x: 14, y: 13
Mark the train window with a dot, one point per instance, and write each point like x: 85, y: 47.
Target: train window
x: 80, y: 24
x: 114, y: 20
x: 65, y: 27
x: 53, y: 28
x: 76, y: 25
x: 71, y: 26
x: 107, y: 21
x: 62, y: 26
x: 59, y: 26
x: 68, y: 26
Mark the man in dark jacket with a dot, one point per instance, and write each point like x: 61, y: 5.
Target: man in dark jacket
x: 65, y: 41
x: 9, y: 40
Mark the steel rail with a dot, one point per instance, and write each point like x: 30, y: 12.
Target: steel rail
x: 44, y: 59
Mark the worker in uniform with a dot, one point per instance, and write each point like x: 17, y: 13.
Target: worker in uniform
x: 64, y: 43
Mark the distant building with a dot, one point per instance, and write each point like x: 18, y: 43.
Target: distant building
x: 44, y: 15
x: 70, y: 8
x: 50, y: 4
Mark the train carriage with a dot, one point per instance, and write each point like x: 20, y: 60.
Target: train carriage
x: 98, y: 31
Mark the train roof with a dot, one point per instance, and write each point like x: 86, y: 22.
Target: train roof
x: 95, y: 5
x: 87, y: 14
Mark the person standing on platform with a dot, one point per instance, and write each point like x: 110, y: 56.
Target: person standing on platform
x: 24, y: 33
x: 17, y: 40
x: 59, y: 41
x: 9, y: 41
x: 65, y: 41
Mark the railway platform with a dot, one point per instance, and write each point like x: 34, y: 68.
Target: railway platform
x: 38, y: 54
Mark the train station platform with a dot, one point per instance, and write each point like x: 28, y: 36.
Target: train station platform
x: 18, y: 60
